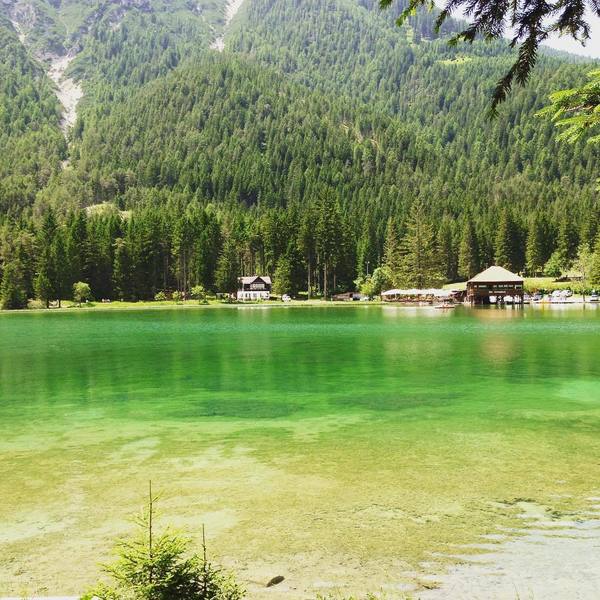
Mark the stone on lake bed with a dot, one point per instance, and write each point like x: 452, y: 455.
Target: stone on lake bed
x: 275, y: 581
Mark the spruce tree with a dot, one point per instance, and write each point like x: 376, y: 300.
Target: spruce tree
x: 12, y: 289
x: 122, y: 272
x: 447, y: 250
x: 46, y: 278
x: 392, y: 258
x: 468, y: 252
x: 366, y: 250
x: 329, y: 238
x: 534, y: 253
x: 507, y: 242
x: 283, y: 278
x: 568, y: 240
x: 419, y: 255
x: 76, y: 246
x: 595, y: 266
x: 61, y: 284
x: 226, y: 276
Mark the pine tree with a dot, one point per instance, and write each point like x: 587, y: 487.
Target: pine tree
x: 329, y: 238
x: 447, y: 250
x: 283, y: 279
x: 534, y: 253
x: 76, y: 246
x: 468, y: 253
x: 62, y: 286
x: 595, y: 266
x: 122, y: 275
x: 507, y: 243
x: 568, y: 241
x: 12, y: 289
x: 419, y: 255
x: 366, y: 250
x: 45, y: 281
x: 226, y: 276
x: 307, y: 245
x: 392, y: 257
x: 182, y: 251
x: 44, y: 288
x: 154, y: 565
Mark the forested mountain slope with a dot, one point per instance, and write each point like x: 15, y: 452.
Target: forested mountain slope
x: 226, y: 130
x: 31, y: 144
x: 352, y: 48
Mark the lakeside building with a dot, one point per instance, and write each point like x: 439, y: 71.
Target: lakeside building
x: 418, y: 295
x: 349, y: 297
x: 493, y: 285
x: 255, y: 287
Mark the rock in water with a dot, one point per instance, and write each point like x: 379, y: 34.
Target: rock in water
x: 275, y: 580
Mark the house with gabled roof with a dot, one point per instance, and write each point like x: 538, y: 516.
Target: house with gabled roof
x: 496, y: 282
x: 255, y: 287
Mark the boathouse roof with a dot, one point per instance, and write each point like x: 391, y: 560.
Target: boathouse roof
x: 496, y: 274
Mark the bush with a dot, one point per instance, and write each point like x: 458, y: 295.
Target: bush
x: 199, y: 293
x: 81, y: 292
x: 160, y: 297
x: 556, y: 265
x: 381, y: 280
x: 158, y: 567
x: 177, y: 297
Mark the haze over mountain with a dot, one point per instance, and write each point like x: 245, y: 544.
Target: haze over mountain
x: 264, y: 107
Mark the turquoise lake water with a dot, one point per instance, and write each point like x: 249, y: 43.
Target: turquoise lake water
x: 349, y: 448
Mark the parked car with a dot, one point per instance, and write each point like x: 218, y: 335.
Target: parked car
x: 594, y: 297
x: 286, y: 298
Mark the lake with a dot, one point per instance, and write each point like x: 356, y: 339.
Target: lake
x: 350, y: 448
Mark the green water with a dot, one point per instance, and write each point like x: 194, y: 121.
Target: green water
x: 353, y: 447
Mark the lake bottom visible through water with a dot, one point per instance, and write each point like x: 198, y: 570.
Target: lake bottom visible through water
x: 353, y: 449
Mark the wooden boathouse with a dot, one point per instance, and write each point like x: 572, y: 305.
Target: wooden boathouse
x: 493, y: 285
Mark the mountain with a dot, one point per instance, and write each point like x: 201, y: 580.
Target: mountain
x: 271, y: 108
x: 31, y: 144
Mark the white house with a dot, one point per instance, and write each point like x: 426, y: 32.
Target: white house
x: 256, y: 287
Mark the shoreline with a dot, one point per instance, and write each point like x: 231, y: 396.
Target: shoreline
x: 490, y: 569
x: 193, y: 304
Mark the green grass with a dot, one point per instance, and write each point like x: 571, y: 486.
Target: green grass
x: 69, y: 305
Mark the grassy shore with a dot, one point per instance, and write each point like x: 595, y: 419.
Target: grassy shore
x: 532, y: 284
x: 69, y: 305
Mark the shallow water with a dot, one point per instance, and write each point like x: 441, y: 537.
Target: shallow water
x: 347, y: 448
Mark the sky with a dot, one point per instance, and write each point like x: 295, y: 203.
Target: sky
x: 591, y: 48
x: 566, y: 43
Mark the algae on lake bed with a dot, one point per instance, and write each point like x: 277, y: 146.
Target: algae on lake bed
x: 348, y: 448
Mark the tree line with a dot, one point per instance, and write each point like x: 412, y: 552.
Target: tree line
x: 316, y: 249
